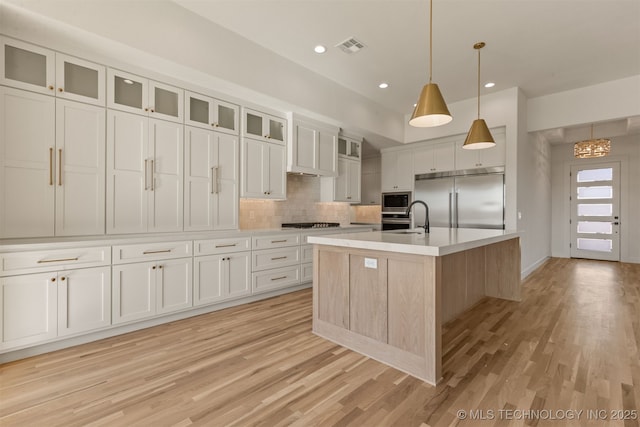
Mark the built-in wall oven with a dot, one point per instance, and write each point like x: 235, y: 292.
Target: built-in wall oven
x: 394, y: 208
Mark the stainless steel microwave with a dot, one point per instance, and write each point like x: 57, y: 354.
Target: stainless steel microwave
x: 396, y: 202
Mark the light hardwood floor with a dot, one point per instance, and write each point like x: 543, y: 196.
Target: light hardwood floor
x: 571, y: 344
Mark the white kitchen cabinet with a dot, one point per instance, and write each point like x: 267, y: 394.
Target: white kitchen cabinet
x: 210, y: 113
x: 483, y: 158
x: 346, y: 186
x: 264, y: 127
x: 147, y: 289
x: 221, y: 277
x: 312, y: 148
x: 27, y: 161
x: 349, y: 148
x: 272, y: 279
x: 371, y: 189
x: 435, y: 158
x: 144, y: 174
x: 211, y: 180
x: 33, y: 68
x: 29, y: 309
x: 52, y: 166
x: 135, y: 94
x: 80, y: 169
x: 84, y: 300
x: 397, y: 171
x: 263, y: 170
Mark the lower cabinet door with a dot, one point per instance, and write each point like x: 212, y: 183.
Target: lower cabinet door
x: 134, y: 291
x: 239, y: 279
x: 306, y: 272
x: 174, y: 285
x: 220, y: 277
x: 84, y: 300
x: 29, y: 309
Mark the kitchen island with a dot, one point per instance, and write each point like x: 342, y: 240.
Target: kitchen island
x: 387, y: 294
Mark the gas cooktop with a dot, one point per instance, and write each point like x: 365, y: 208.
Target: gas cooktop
x: 310, y: 225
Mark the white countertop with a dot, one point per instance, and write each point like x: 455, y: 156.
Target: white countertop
x: 440, y: 241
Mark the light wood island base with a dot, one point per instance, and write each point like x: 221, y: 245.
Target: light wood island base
x: 391, y: 306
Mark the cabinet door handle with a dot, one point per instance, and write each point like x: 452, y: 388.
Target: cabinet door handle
x: 153, y: 175
x: 163, y: 251
x: 50, y: 87
x: 50, y: 166
x: 279, y: 241
x: 214, y: 180
x: 43, y: 261
x: 60, y: 89
x: 278, y: 278
x: 146, y: 174
x: 278, y: 257
x: 226, y: 246
x: 60, y: 167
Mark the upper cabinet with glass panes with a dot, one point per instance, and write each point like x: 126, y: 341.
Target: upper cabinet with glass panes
x: 135, y: 94
x: 265, y: 127
x: 210, y: 113
x: 33, y: 68
x: 348, y: 148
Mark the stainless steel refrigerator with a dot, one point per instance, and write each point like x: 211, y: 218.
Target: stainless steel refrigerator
x: 472, y: 199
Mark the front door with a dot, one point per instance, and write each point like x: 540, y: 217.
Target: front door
x: 595, y: 211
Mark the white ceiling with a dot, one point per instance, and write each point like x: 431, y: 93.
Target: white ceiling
x: 541, y: 46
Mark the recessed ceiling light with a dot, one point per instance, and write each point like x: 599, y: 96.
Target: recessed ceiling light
x: 319, y: 49
x: 383, y: 85
x: 415, y: 105
x: 489, y: 84
x: 127, y: 81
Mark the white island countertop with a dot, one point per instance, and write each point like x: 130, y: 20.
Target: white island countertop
x: 440, y: 241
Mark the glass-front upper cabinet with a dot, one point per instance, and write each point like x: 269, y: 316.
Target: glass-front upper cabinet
x: 211, y: 113
x: 135, y: 94
x: 264, y: 126
x: 80, y: 80
x: 348, y: 147
x: 33, y: 68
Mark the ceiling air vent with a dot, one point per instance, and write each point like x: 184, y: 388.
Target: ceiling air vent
x: 350, y: 45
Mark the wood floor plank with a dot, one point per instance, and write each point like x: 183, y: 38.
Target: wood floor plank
x: 572, y: 343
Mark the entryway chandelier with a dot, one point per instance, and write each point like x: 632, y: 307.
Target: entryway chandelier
x: 592, y: 148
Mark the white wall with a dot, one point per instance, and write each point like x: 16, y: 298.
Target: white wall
x: 626, y: 150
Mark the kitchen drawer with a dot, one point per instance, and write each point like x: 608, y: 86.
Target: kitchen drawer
x: 151, y: 251
x: 273, y: 258
x: 55, y: 259
x: 221, y: 246
x: 275, y: 241
x: 306, y: 253
x: 275, y: 279
x: 306, y: 272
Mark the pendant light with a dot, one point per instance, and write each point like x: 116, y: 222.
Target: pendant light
x: 479, y: 135
x: 431, y: 110
x: 592, y: 148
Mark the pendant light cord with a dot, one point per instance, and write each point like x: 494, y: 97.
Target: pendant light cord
x: 430, y: 39
x: 478, y: 83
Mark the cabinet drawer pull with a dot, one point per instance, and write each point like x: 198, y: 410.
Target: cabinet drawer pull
x: 278, y: 257
x: 278, y: 278
x: 279, y: 241
x: 156, y: 252
x: 42, y: 261
x: 226, y: 246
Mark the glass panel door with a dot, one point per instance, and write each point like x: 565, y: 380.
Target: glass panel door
x: 595, y: 207
x: 80, y: 80
x: 276, y: 130
x: 165, y: 102
x: 27, y: 66
x: 227, y: 117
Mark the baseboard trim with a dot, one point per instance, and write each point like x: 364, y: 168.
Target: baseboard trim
x: 530, y: 269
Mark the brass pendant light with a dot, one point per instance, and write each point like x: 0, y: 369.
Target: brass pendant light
x: 431, y: 110
x: 479, y: 135
x: 592, y: 148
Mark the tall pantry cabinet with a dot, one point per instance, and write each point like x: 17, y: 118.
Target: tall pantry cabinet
x: 144, y: 155
x: 51, y: 143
